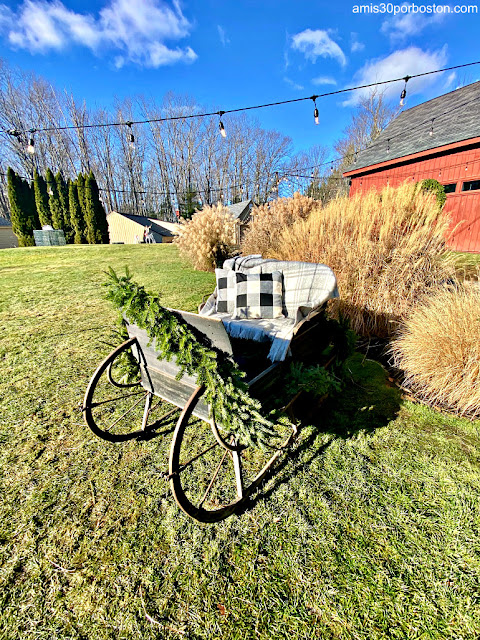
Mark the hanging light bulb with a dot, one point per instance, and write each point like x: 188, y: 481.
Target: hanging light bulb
x: 315, y: 111
x: 223, y: 133
x: 430, y: 133
x: 403, y: 95
x: 131, y: 137
x: 31, y: 142
x: 388, y: 144
x: 331, y: 167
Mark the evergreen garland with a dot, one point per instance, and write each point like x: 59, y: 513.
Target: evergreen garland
x: 226, y: 393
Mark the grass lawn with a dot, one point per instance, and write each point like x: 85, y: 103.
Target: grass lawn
x: 369, y: 529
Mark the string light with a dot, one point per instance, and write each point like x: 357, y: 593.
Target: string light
x: 403, y: 95
x: 315, y: 111
x: 223, y: 133
x: 131, y: 137
x: 262, y: 106
x: 31, y: 142
x: 430, y: 133
x: 388, y: 144
x: 339, y: 159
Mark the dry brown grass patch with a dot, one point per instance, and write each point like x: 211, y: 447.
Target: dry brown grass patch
x: 385, y: 248
x: 264, y: 232
x: 208, y: 238
x: 439, y: 350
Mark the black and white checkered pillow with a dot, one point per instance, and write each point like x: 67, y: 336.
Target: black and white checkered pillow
x: 225, y: 291
x: 259, y: 295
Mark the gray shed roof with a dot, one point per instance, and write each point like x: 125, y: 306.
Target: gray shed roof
x: 241, y: 210
x: 157, y: 228
x: 455, y: 117
x: 5, y: 223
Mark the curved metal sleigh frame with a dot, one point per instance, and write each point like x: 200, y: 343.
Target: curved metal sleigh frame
x: 210, y: 478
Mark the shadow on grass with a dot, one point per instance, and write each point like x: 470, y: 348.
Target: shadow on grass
x: 368, y: 401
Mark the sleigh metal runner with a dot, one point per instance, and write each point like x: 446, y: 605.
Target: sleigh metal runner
x: 212, y: 477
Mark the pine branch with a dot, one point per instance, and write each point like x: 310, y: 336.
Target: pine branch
x: 226, y: 392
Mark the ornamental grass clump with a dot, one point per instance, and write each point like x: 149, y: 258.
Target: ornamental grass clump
x: 386, y: 250
x: 208, y: 238
x: 438, y: 349
x: 269, y: 220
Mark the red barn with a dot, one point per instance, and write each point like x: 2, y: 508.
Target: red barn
x: 437, y: 139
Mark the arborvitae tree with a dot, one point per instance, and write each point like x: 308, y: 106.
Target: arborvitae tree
x: 54, y: 201
x: 29, y: 207
x: 81, y: 193
x: 41, y: 199
x: 63, y: 197
x: 76, y: 216
x: 20, y: 221
x: 97, y: 227
x: 100, y: 214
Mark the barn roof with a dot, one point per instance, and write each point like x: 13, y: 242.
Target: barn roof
x: 5, y: 223
x: 453, y: 117
x: 240, y: 210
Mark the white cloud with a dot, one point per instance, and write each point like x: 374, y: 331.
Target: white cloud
x: 355, y: 45
x: 450, y: 79
x: 222, y: 34
x: 405, y: 25
x: 317, y: 43
x: 293, y: 84
x: 398, y: 65
x: 324, y: 80
x: 137, y: 30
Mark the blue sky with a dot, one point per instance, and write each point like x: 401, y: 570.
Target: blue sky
x: 228, y: 54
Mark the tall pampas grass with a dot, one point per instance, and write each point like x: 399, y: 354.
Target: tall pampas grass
x: 385, y: 248
x: 208, y: 238
x: 438, y: 349
x: 264, y: 233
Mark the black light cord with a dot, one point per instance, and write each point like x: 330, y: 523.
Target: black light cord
x: 220, y: 113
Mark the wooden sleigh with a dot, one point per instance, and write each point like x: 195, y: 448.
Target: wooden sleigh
x: 210, y: 477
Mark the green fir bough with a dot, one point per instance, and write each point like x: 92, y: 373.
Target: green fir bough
x: 226, y: 393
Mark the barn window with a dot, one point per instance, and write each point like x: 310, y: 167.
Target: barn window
x: 450, y: 188
x: 472, y: 185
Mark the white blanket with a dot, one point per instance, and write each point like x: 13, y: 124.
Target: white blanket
x: 307, y: 286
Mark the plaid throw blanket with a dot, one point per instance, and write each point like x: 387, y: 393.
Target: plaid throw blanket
x: 307, y: 286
